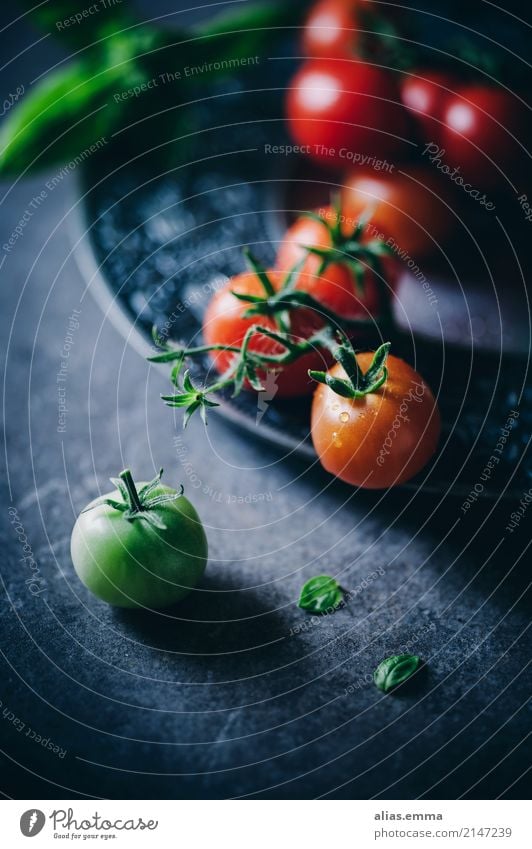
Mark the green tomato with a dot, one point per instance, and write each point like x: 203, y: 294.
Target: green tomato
x: 139, y: 548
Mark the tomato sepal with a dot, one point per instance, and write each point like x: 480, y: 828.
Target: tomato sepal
x: 137, y: 504
x: 357, y: 383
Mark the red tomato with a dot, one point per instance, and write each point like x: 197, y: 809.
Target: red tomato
x: 339, y: 109
x: 408, y: 207
x: 330, y: 31
x: 382, y: 439
x: 425, y: 94
x: 225, y: 324
x: 337, y: 286
x: 479, y: 122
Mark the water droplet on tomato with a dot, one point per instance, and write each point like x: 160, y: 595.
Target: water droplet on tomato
x: 344, y: 417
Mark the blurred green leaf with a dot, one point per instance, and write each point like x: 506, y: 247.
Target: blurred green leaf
x: 72, y: 107
x: 71, y: 22
x: 63, y: 114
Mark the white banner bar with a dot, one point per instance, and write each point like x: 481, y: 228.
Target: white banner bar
x: 266, y: 824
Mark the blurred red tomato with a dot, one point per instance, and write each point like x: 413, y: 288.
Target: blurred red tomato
x: 341, y: 108
x: 337, y: 286
x: 331, y: 29
x: 410, y: 207
x: 477, y: 127
x: 482, y: 127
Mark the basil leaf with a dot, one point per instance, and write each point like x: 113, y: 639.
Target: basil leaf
x: 75, y: 107
x: 58, y: 119
x: 395, y: 670
x: 320, y: 594
x: 72, y: 108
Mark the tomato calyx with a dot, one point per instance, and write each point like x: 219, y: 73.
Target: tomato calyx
x: 189, y: 396
x: 275, y: 303
x: 278, y: 304
x: 358, y: 383
x: 137, y: 503
x: 350, y: 250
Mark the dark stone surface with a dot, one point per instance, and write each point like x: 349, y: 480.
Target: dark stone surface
x: 235, y: 692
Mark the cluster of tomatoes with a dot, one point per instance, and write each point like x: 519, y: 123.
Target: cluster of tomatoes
x: 317, y: 258
x: 344, y: 108
x: 374, y: 421
x: 292, y: 328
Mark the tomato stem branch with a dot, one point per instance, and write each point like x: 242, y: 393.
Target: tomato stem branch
x: 135, y: 505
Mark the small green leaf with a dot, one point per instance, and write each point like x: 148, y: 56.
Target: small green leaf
x: 260, y: 272
x: 395, y: 670
x: 320, y: 594
x: 314, y: 216
x: 121, y: 487
x: 157, y: 340
x: 291, y: 278
x: 148, y: 488
x: 188, y: 386
x: 336, y: 227
x: 347, y: 359
x: 379, y: 248
x: 359, y: 273
x: 165, y: 498
x: 181, y: 399
x: 167, y: 357
x: 254, y: 379
x: 318, y: 376
x: 176, y: 371
x: 190, y: 410
x: 378, y: 363
x: 238, y: 379
x: 203, y: 413
x: 339, y: 386
x: 248, y: 299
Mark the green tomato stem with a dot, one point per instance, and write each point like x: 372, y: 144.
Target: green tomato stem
x: 135, y: 505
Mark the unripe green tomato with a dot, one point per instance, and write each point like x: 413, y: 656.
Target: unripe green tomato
x: 130, y: 559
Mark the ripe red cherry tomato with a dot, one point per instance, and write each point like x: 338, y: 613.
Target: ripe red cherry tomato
x: 330, y: 31
x: 337, y: 287
x: 225, y: 324
x: 381, y: 439
x: 478, y: 125
x: 338, y: 109
x: 414, y: 208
